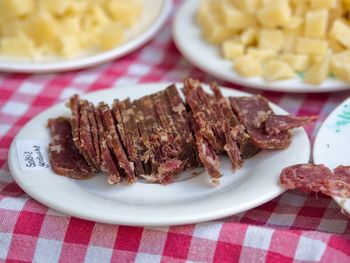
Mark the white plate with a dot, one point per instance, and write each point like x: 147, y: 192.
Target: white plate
x: 154, y: 15
x: 188, y: 39
x: 191, y: 200
x: 332, y: 144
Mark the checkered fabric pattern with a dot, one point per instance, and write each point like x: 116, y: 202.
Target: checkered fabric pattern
x: 294, y: 227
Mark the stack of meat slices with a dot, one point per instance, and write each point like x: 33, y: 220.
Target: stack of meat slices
x: 158, y: 136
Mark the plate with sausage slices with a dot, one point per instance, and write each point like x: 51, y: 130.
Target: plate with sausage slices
x: 158, y: 154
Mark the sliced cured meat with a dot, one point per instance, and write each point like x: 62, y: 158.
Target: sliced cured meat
x: 74, y: 105
x: 166, y: 173
x: 201, y: 119
x: 246, y: 146
x: 275, y: 124
x: 113, y: 142
x: 86, y: 141
x: 94, y: 133
x: 107, y: 163
x: 306, y: 177
x: 231, y: 146
x: 339, y: 183
x: 127, y: 126
x: 182, y: 126
x: 64, y: 155
x: 252, y: 112
x: 207, y: 154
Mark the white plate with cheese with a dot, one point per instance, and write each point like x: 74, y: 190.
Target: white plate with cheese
x: 188, y: 38
x: 154, y: 14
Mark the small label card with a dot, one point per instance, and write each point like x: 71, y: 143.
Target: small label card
x: 33, y: 154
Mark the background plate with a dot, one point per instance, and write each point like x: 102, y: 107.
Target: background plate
x: 332, y: 144
x: 154, y: 15
x: 191, y: 200
x: 188, y: 39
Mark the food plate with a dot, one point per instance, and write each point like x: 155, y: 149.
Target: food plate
x: 332, y: 144
x: 154, y: 15
x: 191, y: 199
x: 188, y: 39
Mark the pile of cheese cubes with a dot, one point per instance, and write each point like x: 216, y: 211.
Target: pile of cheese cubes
x: 277, y: 39
x: 49, y: 28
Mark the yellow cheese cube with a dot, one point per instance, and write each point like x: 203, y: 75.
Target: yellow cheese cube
x: 125, y: 12
x: 311, y: 46
x: 232, y: 49
x: 249, y: 36
x: 341, y: 70
x: 95, y: 18
x: 237, y: 19
x: 316, y: 23
x: 274, y: 14
x: 323, y: 3
x: 316, y: 59
x: 298, y: 62
x: 20, y: 46
x: 16, y: 8
x: 43, y: 28
x: 111, y: 36
x: 290, y: 42
x: 261, y: 54
x: 295, y: 23
x: 271, y: 39
x: 340, y: 31
x: 300, y: 9
x: 69, y: 46
x: 277, y: 70
x: 247, y: 66
x: 319, y: 72
x: 249, y: 6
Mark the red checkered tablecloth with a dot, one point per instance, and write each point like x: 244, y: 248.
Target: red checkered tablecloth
x: 294, y: 227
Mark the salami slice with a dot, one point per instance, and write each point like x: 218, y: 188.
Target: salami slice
x: 113, y: 142
x: 252, y: 113
x: 275, y: 124
x: 64, y: 155
x: 339, y: 183
x: 306, y: 178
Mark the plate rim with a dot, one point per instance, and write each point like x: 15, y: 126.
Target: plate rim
x: 245, y: 82
x: 317, y: 143
x: 94, y: 59
x: 204, y: 216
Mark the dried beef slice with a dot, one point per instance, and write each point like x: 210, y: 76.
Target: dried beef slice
x: 64, y: 156
x: 275, y: 124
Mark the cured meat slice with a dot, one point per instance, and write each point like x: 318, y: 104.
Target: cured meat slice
x: 200, y: 117
x: 231, y: 146
x: 181, y: 121
x: 107, y: 164
x: 339, y: 183
x: 306, y: 177
x: 275, y: 124
x: 127, y: 126
x: 252, y: 112
x: 246, y: 146
x: 113, y: 142
x: 94, y: 133
x: 207, y: 154
x: 64, y: 155
x: 86, y: 141
x: 74, y: 105
x: 317, y: 178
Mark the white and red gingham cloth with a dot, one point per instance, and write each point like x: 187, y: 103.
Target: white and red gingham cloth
x: 294, y: 227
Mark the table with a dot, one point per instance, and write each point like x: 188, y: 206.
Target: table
x: 293, y: 227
